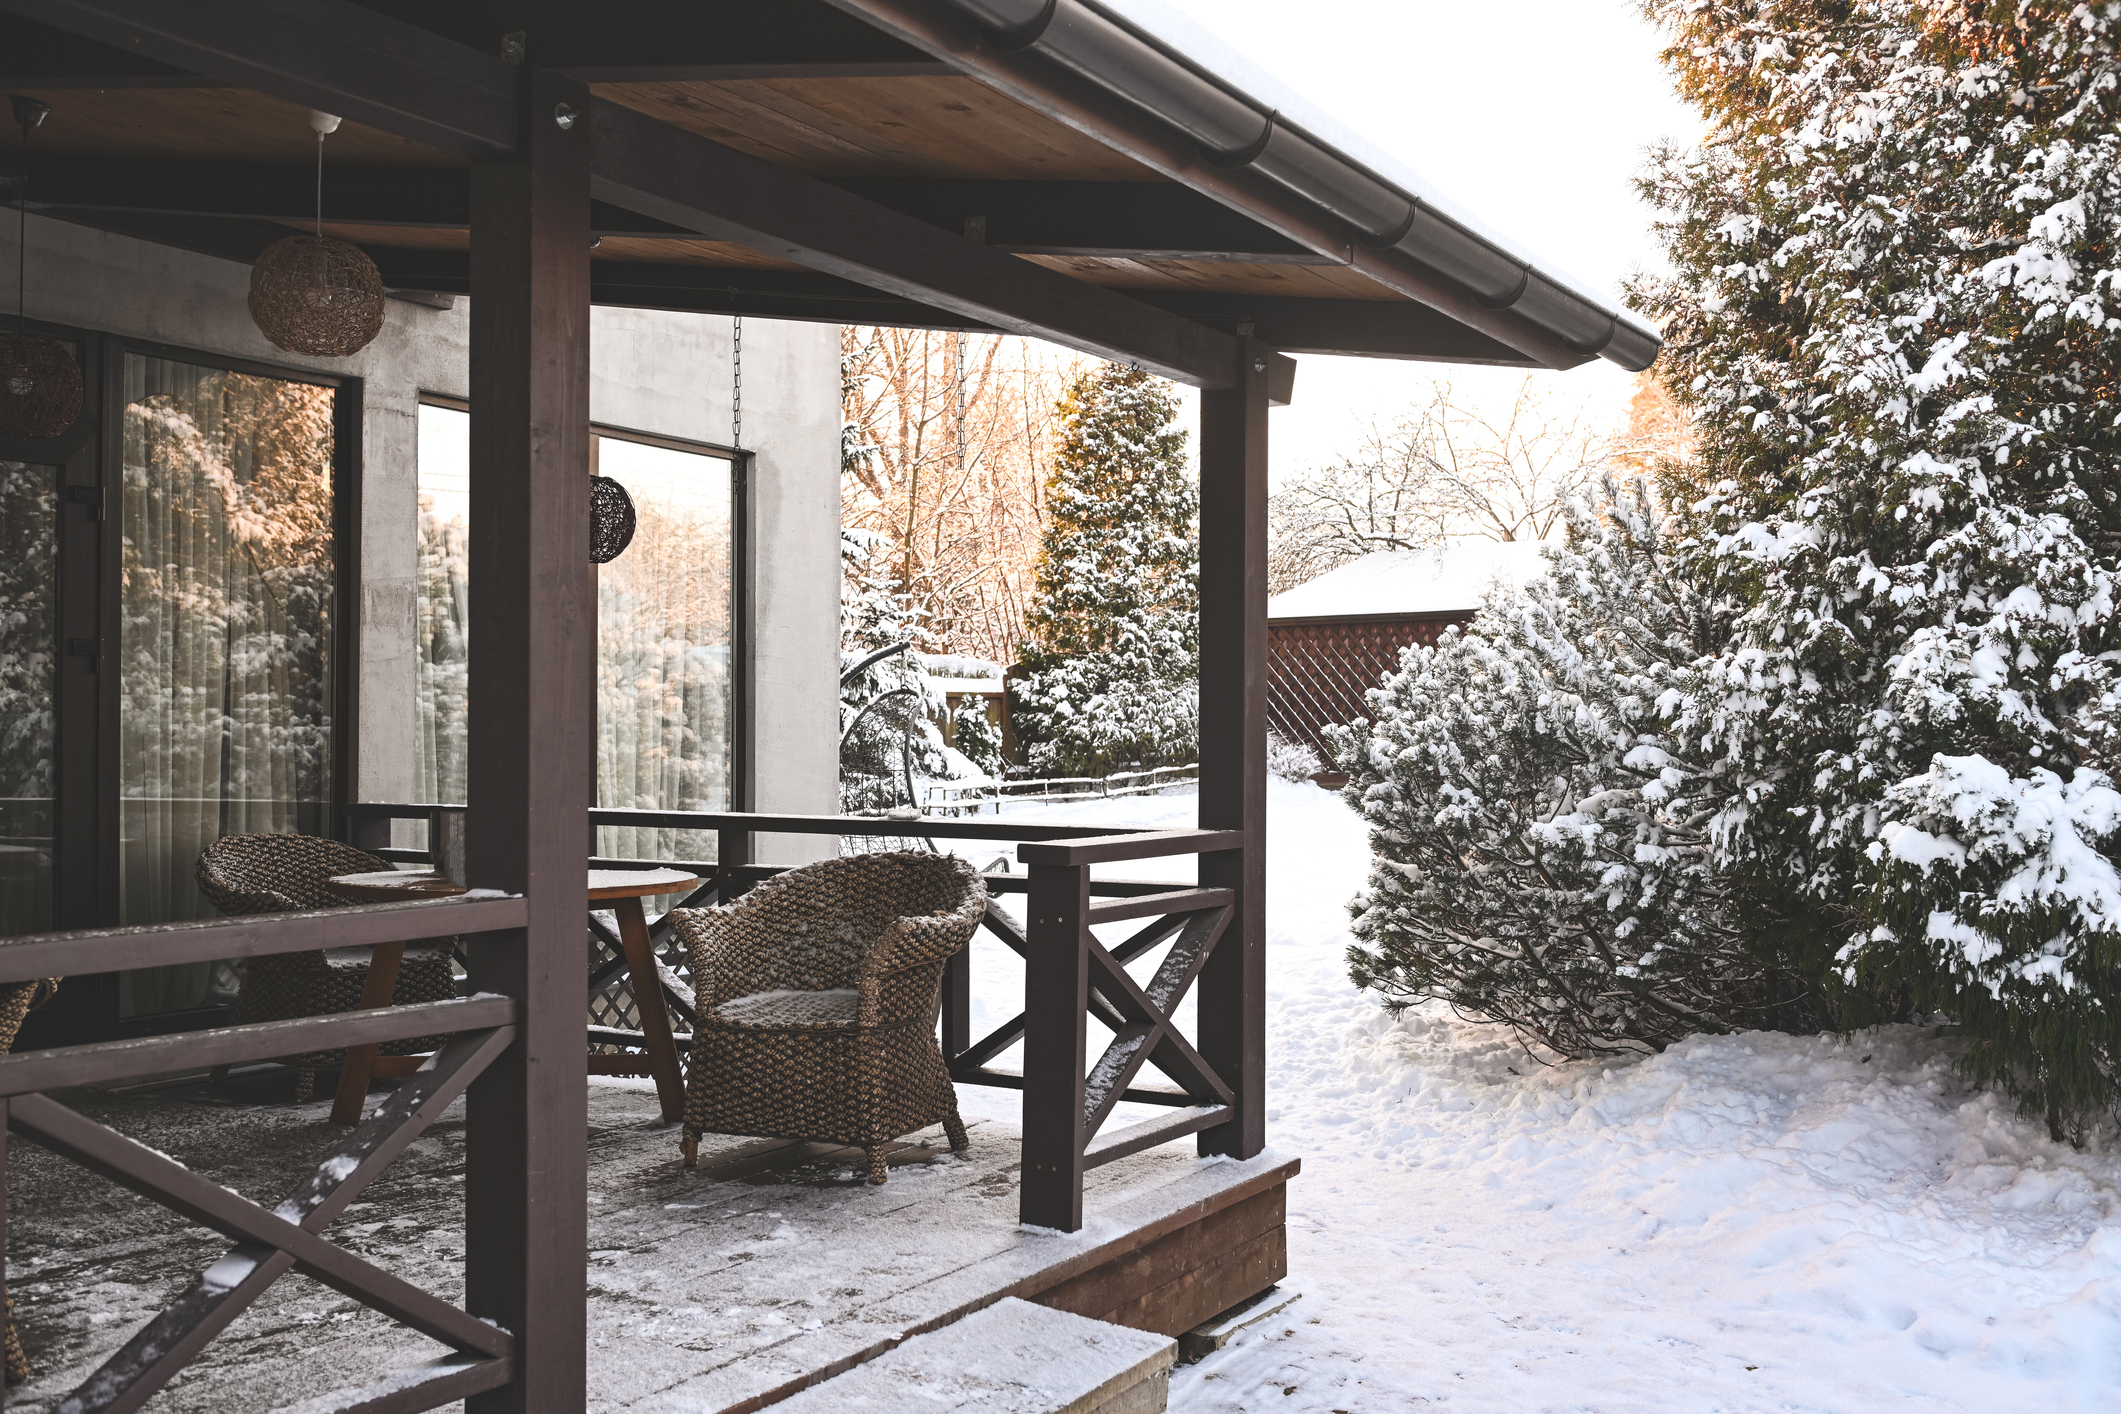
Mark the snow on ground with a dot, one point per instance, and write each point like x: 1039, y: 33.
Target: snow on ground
x: 1758, y: 1222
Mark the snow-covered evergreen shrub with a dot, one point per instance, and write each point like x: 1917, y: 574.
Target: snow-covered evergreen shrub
x: 975, y: 734
x: 1291, y: 760
x: 1540, y: 836
x: 1112, y: 675
x: 1893, y: 317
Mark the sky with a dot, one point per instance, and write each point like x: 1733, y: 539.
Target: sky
x: 1532, y: 117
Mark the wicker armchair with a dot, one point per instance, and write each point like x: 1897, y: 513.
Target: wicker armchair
x: 279, y: 873
x: 17, y: 1000
x: 816, y: 996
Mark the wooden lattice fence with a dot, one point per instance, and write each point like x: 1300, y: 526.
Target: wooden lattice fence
x: 1318, y: 669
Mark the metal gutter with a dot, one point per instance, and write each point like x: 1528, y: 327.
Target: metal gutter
x: 1237, y: 134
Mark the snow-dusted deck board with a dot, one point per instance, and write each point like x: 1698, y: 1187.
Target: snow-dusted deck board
x: 702, y: 1283
x: 800, y: 1276
x: 1009, y: 1358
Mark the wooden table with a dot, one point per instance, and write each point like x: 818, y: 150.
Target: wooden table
x: 623, y: 889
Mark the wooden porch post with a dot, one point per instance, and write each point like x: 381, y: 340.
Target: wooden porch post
x: 1233, y: 737
x: 532, y: 663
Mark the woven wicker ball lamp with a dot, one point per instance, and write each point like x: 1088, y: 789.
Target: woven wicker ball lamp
x: 315, y: 295
x: 311, y: 294
x: 40, y: 386
x: 610, y: 519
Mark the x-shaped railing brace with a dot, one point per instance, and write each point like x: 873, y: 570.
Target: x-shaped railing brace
x: 269, y: 1243
x: 1138, y: 1017
x: 1147, y: 1033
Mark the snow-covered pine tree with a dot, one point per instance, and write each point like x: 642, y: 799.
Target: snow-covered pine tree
x: 1894, y: 320
x: 1540, y: 844
x: 1112, y: 674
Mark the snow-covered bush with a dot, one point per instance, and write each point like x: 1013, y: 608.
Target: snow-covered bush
x: 1291, y: 760
x: 1540, y: 835
x: 1894, y: 319
x: 976, y: 735
x: 1112, y: 675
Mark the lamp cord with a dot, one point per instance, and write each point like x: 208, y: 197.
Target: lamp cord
x: 22, y: 243
x: 320, y: 186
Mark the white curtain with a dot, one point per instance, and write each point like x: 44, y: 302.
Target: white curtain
x: 226, y: 643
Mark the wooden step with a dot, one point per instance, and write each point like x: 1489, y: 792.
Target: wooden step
x: 1009, y: 1358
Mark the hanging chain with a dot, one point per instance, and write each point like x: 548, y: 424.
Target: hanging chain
x: 736, y: 383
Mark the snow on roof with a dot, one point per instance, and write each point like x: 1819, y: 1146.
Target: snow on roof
x: 1441, y: 579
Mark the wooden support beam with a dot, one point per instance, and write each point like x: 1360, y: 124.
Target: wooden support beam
x: 1056, y: 1016
x: 661, y: 171
x: 343, y: 58
x: 528, y: 774
x: 1232, y: 1007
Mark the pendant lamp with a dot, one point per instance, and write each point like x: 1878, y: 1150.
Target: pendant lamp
x: 311, y: 294
x: 40, y: 384
x: 610, y: 519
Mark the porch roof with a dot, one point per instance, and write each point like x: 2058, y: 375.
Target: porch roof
x: 1061, y: 133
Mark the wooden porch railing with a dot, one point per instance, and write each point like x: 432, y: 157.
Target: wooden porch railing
x: 1069, y: 976
x: 267, y: 1243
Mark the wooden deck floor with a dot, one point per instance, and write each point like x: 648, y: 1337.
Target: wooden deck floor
x: 719, y: 1289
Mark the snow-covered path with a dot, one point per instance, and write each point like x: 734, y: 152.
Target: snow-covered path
x: 1750, y: 1223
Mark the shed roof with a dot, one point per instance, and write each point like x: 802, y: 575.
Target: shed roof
x: 1121, y: 150
x: 1438, y: 580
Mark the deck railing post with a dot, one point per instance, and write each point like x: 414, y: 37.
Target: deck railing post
x: 1056, y: 1012
x: 532, y: 674
x: 1232, y: 1004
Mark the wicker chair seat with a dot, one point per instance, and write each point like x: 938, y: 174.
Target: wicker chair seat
x: 817, y: 999
x: 263, y: 873
x: 840, y: 1006
x: 17, y: 1000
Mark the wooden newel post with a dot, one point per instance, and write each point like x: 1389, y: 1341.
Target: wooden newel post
x: 1232, y: 1003
x: 532, y: 680
x: 1056, y: 1012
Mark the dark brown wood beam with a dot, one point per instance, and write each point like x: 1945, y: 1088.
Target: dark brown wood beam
x: 324, y: 54
x: 661, y: 171
x: 1112, y: 220
x: 1231, y: 1003
x: 528, y: 773
x: 650, y: 41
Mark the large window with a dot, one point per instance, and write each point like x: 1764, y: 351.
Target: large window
x: 171, y: 594
x: 666, y: 632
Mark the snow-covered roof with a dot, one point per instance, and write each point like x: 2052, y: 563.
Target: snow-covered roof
x: 1439, y: 580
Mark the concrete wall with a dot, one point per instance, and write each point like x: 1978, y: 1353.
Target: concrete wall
x: 651, y: 372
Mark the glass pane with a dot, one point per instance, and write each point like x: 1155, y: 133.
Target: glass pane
x: 444, y: 612
x: 29, y: 680
x: 664, y: 616
x: 225, y: 652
